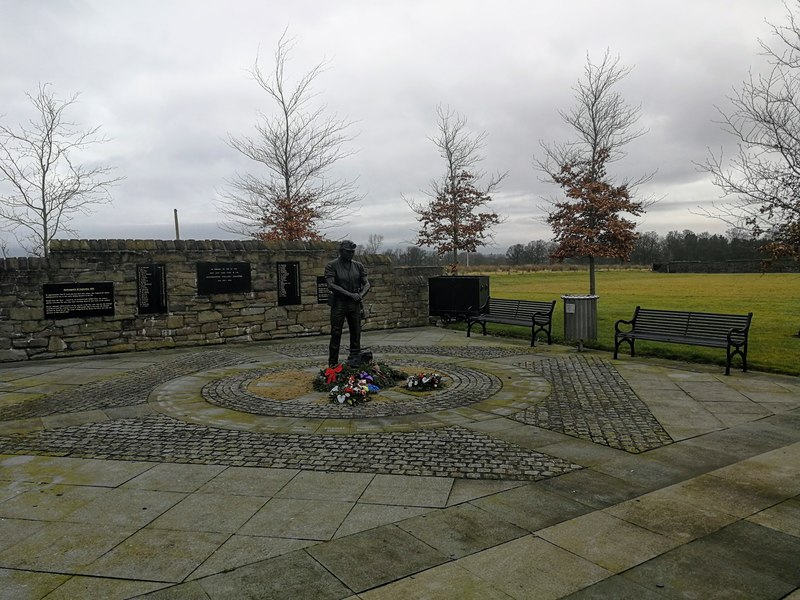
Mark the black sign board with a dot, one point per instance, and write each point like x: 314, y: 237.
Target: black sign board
x: 288, y: 283
x: 323, y: 292
x: 223, y: 278
x: 151, y: 289
x: 68, y: 300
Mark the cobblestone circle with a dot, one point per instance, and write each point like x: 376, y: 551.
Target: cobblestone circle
x: 466, y: 386
x: 127, y: 389
x: 476, y: 352
x: 591, y: 401
x: 445, y: 452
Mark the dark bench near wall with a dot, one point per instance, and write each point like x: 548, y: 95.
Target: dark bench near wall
x: 526, y: 313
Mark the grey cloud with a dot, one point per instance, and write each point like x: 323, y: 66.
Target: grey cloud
x: 168, y: 81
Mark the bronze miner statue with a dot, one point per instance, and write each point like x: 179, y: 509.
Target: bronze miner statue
x: 348, y: 284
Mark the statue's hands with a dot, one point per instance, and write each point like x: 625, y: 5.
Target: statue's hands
x: 356, y: 297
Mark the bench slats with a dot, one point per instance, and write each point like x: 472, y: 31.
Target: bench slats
x: 530, y: 313
x: 686, y: 327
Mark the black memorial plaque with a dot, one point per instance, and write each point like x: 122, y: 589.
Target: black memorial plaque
x: 223, y: 278
x: 69, y: 300
x: 323, y: 291
x: 151, y: 289
x: 288, y: 283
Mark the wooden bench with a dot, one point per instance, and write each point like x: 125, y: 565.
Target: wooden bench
x: 528, y: 313
x: 685, y: 327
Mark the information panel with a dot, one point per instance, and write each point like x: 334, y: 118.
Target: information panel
x: 223, y: 278
x: 151, y: 289
x: 68, y: 300
x: 323, y: 292
x: 288, y: 283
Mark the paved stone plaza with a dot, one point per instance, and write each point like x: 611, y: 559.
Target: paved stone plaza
x: 534, y: 473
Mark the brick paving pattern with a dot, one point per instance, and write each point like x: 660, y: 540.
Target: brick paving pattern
x: 445, y: 452
x: 307, y: 350
x: 127, y: 389
x: 464, y: 386
x: 589, y: 400
x: 592, y: 401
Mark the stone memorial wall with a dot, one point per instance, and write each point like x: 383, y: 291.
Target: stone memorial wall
x: 105, y: 296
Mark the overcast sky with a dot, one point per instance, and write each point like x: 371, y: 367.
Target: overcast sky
x: 168, y: 80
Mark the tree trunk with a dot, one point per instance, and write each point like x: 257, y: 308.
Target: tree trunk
x: 592, y: 286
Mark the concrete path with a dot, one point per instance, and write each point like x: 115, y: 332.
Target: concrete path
x: 535, y: 473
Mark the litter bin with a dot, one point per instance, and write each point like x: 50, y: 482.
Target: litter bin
x: 580, y: 318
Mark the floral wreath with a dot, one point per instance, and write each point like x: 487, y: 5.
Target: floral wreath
x: 346, y: 385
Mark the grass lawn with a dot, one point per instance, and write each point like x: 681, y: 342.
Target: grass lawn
x: 773, y: 298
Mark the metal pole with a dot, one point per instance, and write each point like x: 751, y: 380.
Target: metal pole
x: 177, y: 229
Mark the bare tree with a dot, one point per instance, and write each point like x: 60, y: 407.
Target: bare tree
x: 447, y: 219
x: 373, y: 245
x: 588, y: 222
x: 764, y: 174
x: 43, y: 185
x: 293, y: 197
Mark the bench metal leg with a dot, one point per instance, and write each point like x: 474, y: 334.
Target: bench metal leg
x: 471, y: 323
x: 618, y: 343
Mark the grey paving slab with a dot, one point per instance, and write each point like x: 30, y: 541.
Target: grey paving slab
x: 616, y: 588
x: 531, y: 567
x: 376, y: 557
x: 221, y: 513
x: 777, y: 471
x: 72, y: 471
x: 664, y: 514
x: 445, y: 582
x: 63, y: 547
x: 241, y: 550
x: 461, y: 530
x: 464, y: 490
x: 175, y: 477
x: 648, y: 472
x: 9, y: 489
x: 13, y: 531
x: 408, y: 491
x: 784, y: 517
x: 581, y: 452
x: 184, y: 591
x: 125, y: 507
x: 369, y: 516
x: 249, y: 481
x: 299, y: 519
x: 731, y: 496
x: 101, y: 588
x: 607, y: 541
x: 688, y: 459
x: 49, y: 502
x: 762, y: 549
x: 157, y: 555
x: 532, y: 507
x: 690, y: 571
x: 593, y: 488
x: 744, y: 441
x: 317, y: 485
x: 27, y: 585
x: 295, y: 575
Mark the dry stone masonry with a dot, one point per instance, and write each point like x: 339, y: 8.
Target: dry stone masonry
x: 106, y: 296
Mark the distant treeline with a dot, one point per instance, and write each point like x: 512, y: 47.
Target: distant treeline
x: 650, y: 248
